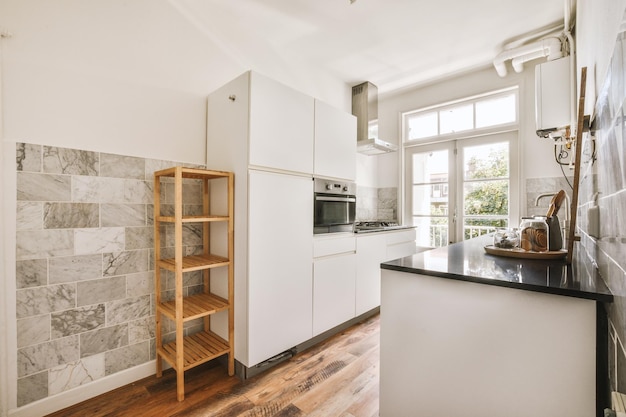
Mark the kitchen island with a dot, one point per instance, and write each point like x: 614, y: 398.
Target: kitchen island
x: 472, y: 334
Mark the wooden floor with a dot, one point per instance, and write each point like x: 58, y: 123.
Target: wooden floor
x: 336, y: 378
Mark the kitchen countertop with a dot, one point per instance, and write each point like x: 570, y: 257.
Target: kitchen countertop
x: 468, y: 261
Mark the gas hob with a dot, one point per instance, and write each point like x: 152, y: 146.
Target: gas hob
x: 377, y: 226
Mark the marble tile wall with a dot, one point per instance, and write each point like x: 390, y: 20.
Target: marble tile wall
x: 603, y: 183
x: 84, y: 270
x: 376, y: 203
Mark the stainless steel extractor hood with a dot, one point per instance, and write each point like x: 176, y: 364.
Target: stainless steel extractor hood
x: 365, y: 108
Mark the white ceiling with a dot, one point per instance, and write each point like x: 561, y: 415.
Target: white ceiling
x: 392, y: 43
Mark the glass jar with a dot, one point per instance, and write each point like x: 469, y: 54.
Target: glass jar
x: 534, y: 234
x: 506, y: 238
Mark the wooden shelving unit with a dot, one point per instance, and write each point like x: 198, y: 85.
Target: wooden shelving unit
x: 185, y: 352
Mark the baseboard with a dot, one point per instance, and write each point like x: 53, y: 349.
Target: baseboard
x: 84, y: 392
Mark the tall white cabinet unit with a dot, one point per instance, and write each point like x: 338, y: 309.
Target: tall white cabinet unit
x: 279, y: 263
x: 263, y: 131
x: 335, y: 143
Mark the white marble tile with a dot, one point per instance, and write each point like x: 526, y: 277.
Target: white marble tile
x: 74, y: 374
x: 141, y: 330
x: 126, y: 357
x: 128, y: 262
x: 44, y: 243
x: 70, y: 215
x: 70, y: 161
x: 100, y: 290
x: 138, y: 238
x: 32, y: 388
x: 29, y: 215
x: 97, y: 189
x: 28, y: 157
x: 77, y: 320
x: 117, y: 215
x: 47, y: 355
x: 100, y: 240
x: 120, y: 166
x: 43, y: 187
x: 192, y: 193
x: 41, y: 300
x: 136, y: 191
x: 139, y: 284
x: 101, y: 340
x: 31, y: 273
x: 122, y: 311
x: 153, y: 165
x: 74, y: 268
x: 33, y: 330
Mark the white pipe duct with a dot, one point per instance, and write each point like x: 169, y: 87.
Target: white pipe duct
x: 548, y: 47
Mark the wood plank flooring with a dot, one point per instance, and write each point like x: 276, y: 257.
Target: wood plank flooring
x: 335, y: 378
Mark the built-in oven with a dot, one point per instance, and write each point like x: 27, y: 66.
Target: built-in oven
x: 335, y: 206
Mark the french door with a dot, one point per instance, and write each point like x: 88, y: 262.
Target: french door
x: 461, y: 189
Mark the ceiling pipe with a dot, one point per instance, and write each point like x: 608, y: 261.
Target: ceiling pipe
x: 548, y: 47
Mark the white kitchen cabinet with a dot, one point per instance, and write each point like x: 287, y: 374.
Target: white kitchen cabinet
x: 256, y: 121
x: 281, y: 126
x: 372, y: 250
x: 335, y: 142
x: 400, y: 243
x: 279, y: 263
x: 334, y: 276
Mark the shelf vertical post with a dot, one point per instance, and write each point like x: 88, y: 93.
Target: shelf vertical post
x: 157, y: 271
x: 178, y: 255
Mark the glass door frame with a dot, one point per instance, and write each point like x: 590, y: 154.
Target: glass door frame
x: 407, y: 156
x: 455, y: 180
x: 514, y: 174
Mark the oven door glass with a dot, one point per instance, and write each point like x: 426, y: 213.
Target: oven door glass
x: 333, y: 210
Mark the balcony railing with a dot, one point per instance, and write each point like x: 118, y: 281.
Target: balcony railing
x: 439, y: 233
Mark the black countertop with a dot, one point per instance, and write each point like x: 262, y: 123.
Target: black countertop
x: 468, y: 261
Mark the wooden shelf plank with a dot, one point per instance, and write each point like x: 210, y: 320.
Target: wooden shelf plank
x: 195, y: 306
x: 193, y: 173
x: 198, y: 348
x: 195, y: 262
x: 194, y: 219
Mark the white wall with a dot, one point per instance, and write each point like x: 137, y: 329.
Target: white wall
x: 597, y: 23
x: 125, y: 77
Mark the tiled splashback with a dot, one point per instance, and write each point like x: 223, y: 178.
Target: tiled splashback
x: 376, y: 203
x: 606, y: 179
x: 85, y: 275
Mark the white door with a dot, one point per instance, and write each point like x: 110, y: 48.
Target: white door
x: 279, y: 263
x: 462, y: 189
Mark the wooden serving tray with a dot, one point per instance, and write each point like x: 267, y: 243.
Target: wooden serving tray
x: 525, y: 254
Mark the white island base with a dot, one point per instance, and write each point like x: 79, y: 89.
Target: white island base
x: 456, y: 348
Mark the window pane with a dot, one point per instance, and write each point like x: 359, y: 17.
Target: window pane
x: 429, y: 167
x: 430, y: 200
x: 431, y: 231
x: 495, y: 111
x: 474, y: 227
x: 422, y: 126
x: 486, y: 198
x: 457, y: 119
x: 430, y: 197
x: 486, y: 161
